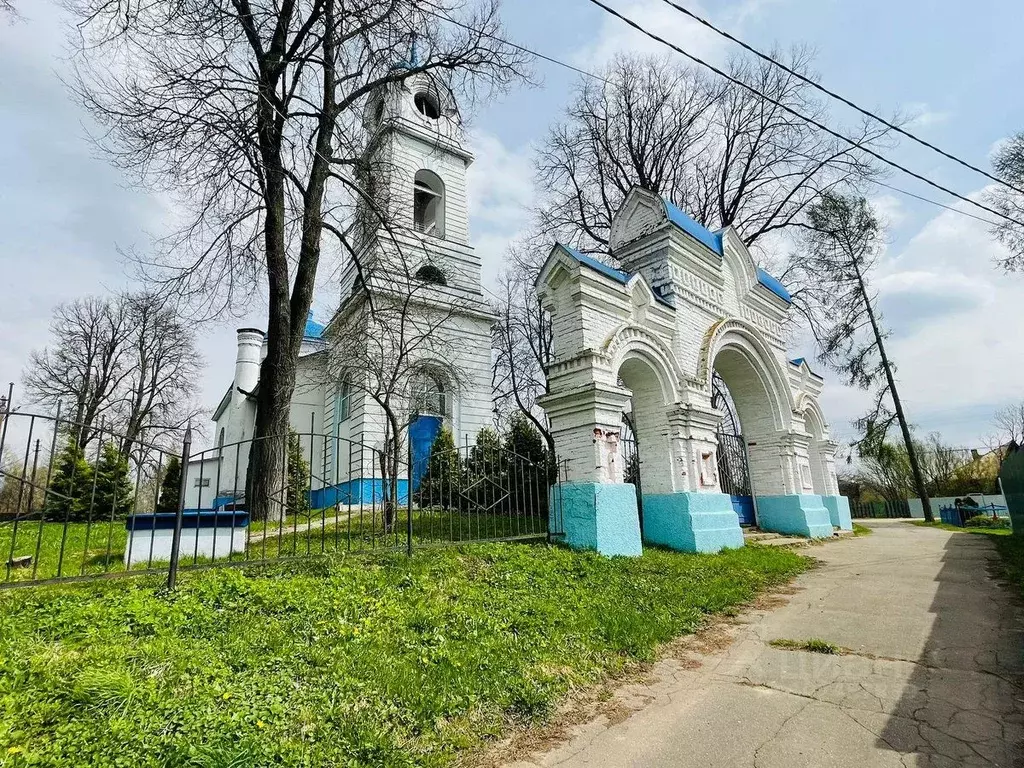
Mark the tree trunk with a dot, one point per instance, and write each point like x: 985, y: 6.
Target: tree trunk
x: 915, y: 467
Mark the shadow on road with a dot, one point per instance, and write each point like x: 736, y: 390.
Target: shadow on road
x: 964, y: 701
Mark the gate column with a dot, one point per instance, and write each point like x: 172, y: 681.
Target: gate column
x: 592, y: 506
x: 697, y: 517
x: 780, y: 474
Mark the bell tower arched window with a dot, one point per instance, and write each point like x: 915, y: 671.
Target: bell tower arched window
x: 431, y: 395
x: 428, y: 204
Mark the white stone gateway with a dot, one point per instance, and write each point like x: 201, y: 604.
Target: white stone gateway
x: 647, y: 339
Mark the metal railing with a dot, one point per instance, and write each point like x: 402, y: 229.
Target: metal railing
x: 879, y: 509
x: 80, y: 503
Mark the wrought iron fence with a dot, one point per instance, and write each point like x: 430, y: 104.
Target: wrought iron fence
x: 79, y: 503
x: 860, y: 510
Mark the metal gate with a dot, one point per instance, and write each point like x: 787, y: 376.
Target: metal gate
x: 630, y: 449
x: 734, y: 476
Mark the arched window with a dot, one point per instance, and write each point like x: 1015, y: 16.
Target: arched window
x: 427, y: 105
x: 220, y: 441
x: 428, y: 204
x: 430, y: 394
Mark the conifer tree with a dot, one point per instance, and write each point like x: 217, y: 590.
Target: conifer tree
x: 298, y: 478
x: 114, y: 495
x: 70, y: 489
x: 442, y: 483
x: 170, y: 486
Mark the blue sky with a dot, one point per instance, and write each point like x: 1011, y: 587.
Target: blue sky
x: 65, y: 213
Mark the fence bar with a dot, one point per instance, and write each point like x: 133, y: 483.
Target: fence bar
x: 172, y: 571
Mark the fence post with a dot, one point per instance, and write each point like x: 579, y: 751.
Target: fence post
x: 172, y: 572
x: 408, y: 496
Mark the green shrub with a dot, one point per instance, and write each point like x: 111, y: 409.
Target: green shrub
x: 987, y: 521
x: 441, y: 484
x: 298, y: 478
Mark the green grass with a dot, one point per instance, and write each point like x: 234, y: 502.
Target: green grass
x: 99, y: 547
x: 84, y: 549
x: 341, y: 661
x: 813, y: 645
x: 861, y: 530
x: 957, y: 529
x: 1011, y: 551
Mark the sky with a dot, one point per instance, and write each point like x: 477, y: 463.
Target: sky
x: 67, y: 215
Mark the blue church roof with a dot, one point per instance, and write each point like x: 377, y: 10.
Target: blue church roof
x: 314, y: 330
x: 712, y: 240
x: 801, y: 361
x: 773, y: 285
x: 615, y: 274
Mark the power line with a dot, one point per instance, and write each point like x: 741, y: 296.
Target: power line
x: 844, y: 100
x: 809, y: 120
x: 595, y: 76
x: 524, y: 49
x: 935, y: 202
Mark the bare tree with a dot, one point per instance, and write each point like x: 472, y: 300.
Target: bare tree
x: 840, y: 245
x: 522, y: 345
x: 127, y: 360
x: 1008, y: 164
x: 395, y: 330
x: 159, y: 391
x: 82, y: 372
x: 718, y: 151
x: 254, y: 111
x: 1010, y: 423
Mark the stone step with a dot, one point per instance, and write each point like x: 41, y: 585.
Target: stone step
x: 784, y: 541
x: 755, y: 535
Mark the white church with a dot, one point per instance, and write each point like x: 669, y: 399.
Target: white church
x: 686, y: 306
x: 417, y: 135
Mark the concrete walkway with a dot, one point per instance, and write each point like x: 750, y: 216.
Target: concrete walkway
x: 932, y: 679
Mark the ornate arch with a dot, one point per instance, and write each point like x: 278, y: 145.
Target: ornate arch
x: 737, y: 334
x: 634, y: 341
x: 808, y: 405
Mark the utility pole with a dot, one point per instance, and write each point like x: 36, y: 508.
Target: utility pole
x: 915, y: 467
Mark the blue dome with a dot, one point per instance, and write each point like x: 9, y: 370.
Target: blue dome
x: 314, y: 330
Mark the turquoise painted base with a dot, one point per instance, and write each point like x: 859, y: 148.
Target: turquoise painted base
x: 838, y: 512
x: 803, y: 515
x: 598, y: 516
x: 691, y: 522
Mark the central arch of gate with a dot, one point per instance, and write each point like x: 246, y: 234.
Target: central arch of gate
x: 642, y: 349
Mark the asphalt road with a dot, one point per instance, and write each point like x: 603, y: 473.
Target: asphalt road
x: 932, y: 677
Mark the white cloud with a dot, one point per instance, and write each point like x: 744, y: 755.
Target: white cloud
x: 954, y: 317
x: 501, y: 193
x: 616, y: 36
x: 890, y: 210
x: 923, y: 116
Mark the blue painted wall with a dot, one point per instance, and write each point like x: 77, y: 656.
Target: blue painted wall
x: 362, y: 491
x: 838, y: 511
x: 691, y: 522
x: 597, y: 516
x: 796, y: 515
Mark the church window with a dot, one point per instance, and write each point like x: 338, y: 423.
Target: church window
x: 220, y: 441
x: 342, y: 403
x: 428, y: 204
x: 430, y: 273
x: 430, y: 395
x: 426, y: 105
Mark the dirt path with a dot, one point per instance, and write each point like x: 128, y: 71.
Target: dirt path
x: 932, y: 677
